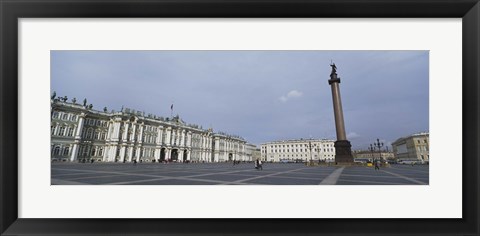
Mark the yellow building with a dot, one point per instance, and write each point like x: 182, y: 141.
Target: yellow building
x: 412, y: 148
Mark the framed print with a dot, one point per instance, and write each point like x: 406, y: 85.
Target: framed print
x: 255, y: 118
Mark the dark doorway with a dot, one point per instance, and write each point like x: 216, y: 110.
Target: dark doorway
x: 174, y: 154
x: 162, y: 154
x: 230, y: 157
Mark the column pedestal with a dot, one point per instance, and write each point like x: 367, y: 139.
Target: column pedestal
x: 343, y: 152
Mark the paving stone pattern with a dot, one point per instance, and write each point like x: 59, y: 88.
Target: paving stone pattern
x: 228, y: 174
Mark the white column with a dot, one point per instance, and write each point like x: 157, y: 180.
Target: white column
x: 137, y: 153
x: 116, y: 130
x: 159, y: 135
x: 105, y: 154
x: 79, y: 126
x: 189, y: 139
x: 169, y: 136
x: 132, y: 138
x: 125, y: 132
x: 140, y: 134
x: 130, y: 153
x: 113, y: 153
x: 167, y: 153
x: 122, y: 153
x: 182, y: 138
x: 74, y: 153
x: 157, y: 153
x: 56, y: 129
x: 188, y: 155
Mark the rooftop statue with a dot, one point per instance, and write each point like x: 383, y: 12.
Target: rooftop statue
x: 334, y: 68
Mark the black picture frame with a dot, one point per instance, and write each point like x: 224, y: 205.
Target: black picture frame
x: 12, y: 10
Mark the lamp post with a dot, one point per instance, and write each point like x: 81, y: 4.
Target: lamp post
x: 318, y: 153
x: 379, y: 146
x: 372, y: 149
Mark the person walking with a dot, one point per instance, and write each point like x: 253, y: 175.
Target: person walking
x: 256, y: 164
x: 260, y: 164
x: 377, y: 165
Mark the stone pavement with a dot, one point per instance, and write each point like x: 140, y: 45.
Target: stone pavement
x: 227, y: 174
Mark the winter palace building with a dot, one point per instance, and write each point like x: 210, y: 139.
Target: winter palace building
x: 79, y: 133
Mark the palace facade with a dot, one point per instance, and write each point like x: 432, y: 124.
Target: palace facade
x: 79, y: 133
x: 299, y: 150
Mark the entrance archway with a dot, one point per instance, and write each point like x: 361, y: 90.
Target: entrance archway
x: 162, y: 154
x: 174, y: 155
x: 230, y: 157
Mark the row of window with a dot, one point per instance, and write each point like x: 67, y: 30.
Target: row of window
x: 62, y: 130
x: 60, y: 150
x: 90, y: 150
x: 301, y: 150
x: 94, y: 134
x: 95, y: 122
x: 424, y: 141
x: 64, y: 116
x: 307, y: 156
x: 296, y: 145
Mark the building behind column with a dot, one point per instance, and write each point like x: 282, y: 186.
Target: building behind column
x: 298, y: 150
x: 80, y: 133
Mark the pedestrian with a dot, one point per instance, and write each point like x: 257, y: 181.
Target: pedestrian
x: 234, y: 162
x: 260, y: 164
x: 91, y: 161
x: 256, y: 164
x: 134, y: 162
x: 377, y: 167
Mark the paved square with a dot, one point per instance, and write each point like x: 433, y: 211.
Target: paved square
x: 227, y: 174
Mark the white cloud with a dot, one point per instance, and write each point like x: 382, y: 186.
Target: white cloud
x: 352, y: 135
x: 291, y: 94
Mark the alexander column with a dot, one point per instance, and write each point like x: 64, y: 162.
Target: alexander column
x: 343, y: 148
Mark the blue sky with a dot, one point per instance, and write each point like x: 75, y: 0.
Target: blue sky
x: 259, y: 95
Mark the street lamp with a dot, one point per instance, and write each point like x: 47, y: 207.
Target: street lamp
x: 372, y: 149
x: 378, y: 145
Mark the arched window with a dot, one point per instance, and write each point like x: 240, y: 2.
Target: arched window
x: 100, y: 151
x: 52, y: 129
x: 89, y: 133
x: 55, y: 115
x: 96, y: 134
x: 61, y: 132
x: 66, y: 151
x: 94, y: 149
x: 70, y: 131
x: 65, y: 116
x: 103, y: 135
x: 56, y: 151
